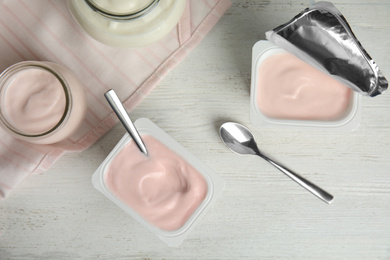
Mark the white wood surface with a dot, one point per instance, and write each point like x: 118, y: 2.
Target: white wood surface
x: 261, y: 214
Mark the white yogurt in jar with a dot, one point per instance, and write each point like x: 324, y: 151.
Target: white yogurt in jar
x: 122, y: 6
x: 121, y: 23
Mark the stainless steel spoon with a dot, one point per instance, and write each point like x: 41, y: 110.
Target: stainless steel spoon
x: 120, y: 111
x: 240, y: 140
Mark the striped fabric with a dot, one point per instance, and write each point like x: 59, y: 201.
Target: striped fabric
x: 45, y: 30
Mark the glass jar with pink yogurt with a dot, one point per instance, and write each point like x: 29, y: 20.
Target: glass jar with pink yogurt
x: 41, y: 102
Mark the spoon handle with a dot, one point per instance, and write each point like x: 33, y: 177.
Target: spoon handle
x: 320, y: 193
x: 120, y: 111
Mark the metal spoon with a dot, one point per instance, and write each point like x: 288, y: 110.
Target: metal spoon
x: 120, y: 111
x: 240, y: 140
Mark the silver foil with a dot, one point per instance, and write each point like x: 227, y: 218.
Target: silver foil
x: 322, y: 37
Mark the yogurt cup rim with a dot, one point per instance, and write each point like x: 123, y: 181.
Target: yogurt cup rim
x: 214, y: 183
x: 260, y: 52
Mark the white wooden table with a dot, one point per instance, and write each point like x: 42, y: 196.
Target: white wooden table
x: 261, y: 214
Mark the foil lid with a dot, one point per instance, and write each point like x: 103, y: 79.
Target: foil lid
x: 322, y: 37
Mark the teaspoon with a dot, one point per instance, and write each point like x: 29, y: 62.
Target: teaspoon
x: 240, y: 140
x: 120, y: 111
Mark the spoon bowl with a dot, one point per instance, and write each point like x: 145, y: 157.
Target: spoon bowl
x: 240, y: 140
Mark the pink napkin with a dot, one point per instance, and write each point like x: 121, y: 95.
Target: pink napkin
x: 45, y: 30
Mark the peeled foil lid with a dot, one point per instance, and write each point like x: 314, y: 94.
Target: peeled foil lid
x: 322, y: 37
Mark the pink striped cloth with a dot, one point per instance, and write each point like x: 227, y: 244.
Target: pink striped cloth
x: 45, y: 30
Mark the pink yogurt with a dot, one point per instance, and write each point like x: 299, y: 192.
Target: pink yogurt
x: 289, y: 88
x: 41, y: 102
x: 163, y: 188
x: 34, y: 101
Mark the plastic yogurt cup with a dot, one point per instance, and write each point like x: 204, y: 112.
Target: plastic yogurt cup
x: 167, y: 201
x: 287, y: 91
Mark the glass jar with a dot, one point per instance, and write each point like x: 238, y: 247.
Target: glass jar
x: 127, y: 23
x: 41, y: 102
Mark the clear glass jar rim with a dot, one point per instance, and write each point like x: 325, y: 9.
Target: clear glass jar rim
x: 122, y: 16
x: 12, y: 70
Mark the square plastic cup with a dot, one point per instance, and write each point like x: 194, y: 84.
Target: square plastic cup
x: 215, y: 184
x: 348, y: 122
